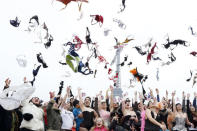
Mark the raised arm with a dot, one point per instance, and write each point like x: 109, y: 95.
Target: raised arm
x: 188, y: 102
x: 123, y: 106
x: 111, y: 98
x: 141, y: 101
x: 106, y: 94
x: 80, y: 99
x: 135, y: 104
x: 183, y: 101
x: 107, y: 99
x: 151, y: 93
x: 7, y: 83
x: 157, y: 91
x: 166, y: 95
x: 66, y: 96
x: 194, y: 101
x: 96, y: 105
x: 51, y: 102
x: 174, y: 108
x: 99, y: 100
x: 189, y: 113
x: 135, y: 96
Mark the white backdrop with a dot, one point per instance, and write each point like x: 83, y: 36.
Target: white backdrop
x: 144, y: 19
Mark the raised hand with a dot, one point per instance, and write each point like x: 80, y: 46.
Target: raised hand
x: 166, y: 93
x: 99, y: 94
x: 157, y: 91
x: 151, y: 91
x: 173, y: 93
x: 68, y: 89
x: 163, y: 127
x: 140, y: 96
x: 111, y: 88
x: 183, y: 95
x: 79, y: 89
x: 25, y: 79
x: 195, y: 94
x: 188, y: 95
x: 7, y: 82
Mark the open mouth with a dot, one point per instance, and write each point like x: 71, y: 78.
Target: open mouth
x: 99, y: 125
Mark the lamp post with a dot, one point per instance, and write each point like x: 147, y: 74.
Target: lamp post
x: 117, y: 89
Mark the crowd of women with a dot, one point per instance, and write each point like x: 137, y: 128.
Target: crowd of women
x: 78, y: 113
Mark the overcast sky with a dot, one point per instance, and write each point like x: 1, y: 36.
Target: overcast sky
x: 144, y: 19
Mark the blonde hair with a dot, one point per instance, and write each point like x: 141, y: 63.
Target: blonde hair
x: 103, y: 124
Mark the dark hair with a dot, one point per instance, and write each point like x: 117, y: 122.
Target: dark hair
x: 127, y: 100
x: 103, y: 102
x: 38, y: 105
x: 177, y: 105
x: 75, y: 102
x: 88, y: 98
x: 32, y: 99
x: 148, y: 105
x: 35, y: 17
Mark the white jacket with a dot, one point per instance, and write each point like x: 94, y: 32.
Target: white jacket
x: 37, y: 122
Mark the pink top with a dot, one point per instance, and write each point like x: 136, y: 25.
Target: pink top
x: 143, y: 114
x: 105, y: 115
x: 100, y: 129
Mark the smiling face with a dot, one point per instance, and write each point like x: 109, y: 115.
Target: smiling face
x: 35, y: 100
x: 116, y: 105
x: 127, y: 105
x: 99, y: 122
x: 164, y: 103
x: 150, y: 104
x: 87, y: 101
x: 139, y: 107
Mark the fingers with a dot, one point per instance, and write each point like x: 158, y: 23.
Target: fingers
x: 25, y: 79
x: 7, y: 82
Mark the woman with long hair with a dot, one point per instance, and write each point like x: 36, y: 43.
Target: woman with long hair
x: 88, y: 113
x: 129, y: 116
x: 180, y: 117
